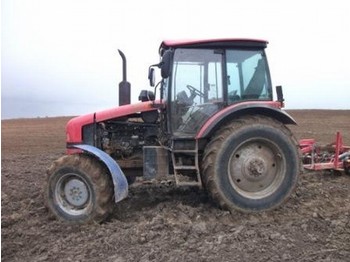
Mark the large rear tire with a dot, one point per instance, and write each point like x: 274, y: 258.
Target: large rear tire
x: 251, y: 164
x: 79, y: 189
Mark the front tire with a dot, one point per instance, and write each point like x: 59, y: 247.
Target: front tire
x: 251, y: 164
x: 79, y: 189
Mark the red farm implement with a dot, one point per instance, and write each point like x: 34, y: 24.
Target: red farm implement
x: 334, y: 156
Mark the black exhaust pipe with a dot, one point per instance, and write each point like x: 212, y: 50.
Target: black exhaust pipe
x: 124, y: 86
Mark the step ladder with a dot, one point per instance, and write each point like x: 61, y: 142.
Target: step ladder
x: 186, y: 174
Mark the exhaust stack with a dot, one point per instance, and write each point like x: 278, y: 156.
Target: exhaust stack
x: 124, y: 86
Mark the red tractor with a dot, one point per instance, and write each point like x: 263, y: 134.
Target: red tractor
x: 215, y: 125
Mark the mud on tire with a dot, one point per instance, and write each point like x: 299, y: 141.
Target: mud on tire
x: 79, y: 189
x: 251, y: 164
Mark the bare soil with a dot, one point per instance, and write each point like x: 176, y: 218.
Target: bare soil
x: 159, y: 222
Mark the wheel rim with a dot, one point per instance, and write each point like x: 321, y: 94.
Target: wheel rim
x: 73, y: 194
x: 256, y: 168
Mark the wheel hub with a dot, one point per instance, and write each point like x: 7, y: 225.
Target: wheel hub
x: 76, y: 192
x: 254, y: 168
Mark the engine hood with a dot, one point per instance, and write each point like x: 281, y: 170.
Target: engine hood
x: 75, y: 125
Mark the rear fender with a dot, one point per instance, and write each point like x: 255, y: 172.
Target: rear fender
x: 236, y: 111
x: 118, y: 177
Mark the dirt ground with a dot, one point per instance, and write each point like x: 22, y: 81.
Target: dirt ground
x: 159, y: 222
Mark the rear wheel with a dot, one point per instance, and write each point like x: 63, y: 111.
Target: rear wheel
x: 251, y: 164
x: 79, y: 189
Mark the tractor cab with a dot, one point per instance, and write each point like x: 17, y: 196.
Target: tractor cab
x: 200, y: 78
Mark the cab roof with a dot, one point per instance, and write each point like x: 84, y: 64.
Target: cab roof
x: 214, y: 43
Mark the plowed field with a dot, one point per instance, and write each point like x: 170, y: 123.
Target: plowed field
x: 159, y: 222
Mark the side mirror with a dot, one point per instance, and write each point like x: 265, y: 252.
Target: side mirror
x: 279, y: 93
x: 151, y: 76
x: 165, y: 65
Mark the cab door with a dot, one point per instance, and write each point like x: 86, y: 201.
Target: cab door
x: 196, y: 89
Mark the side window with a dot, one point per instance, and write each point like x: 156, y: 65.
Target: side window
x: 187, y: 74
x: 197, y: 88
x: 233, y: 82
x: 214, y: 82
x: 247, y: 76
x: 204, y: 73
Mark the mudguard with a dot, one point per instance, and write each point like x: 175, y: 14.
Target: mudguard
x: 270, y: 109
x: 118, y: 177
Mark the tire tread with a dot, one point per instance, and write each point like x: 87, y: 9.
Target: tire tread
x: 212, y: 148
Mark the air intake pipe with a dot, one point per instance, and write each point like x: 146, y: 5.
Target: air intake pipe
x: 124, y: 86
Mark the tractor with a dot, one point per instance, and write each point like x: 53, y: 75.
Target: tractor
x: 210, y: 122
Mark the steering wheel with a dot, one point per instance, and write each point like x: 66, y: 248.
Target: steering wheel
x: 195, y: 91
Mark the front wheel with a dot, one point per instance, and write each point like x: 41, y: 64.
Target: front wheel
x: 251, y: 164
x: 79, y: 189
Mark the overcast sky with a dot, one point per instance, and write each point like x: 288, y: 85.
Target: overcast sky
x: 59, y: 57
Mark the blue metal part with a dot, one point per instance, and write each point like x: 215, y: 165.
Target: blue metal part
x: 118, y: 177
